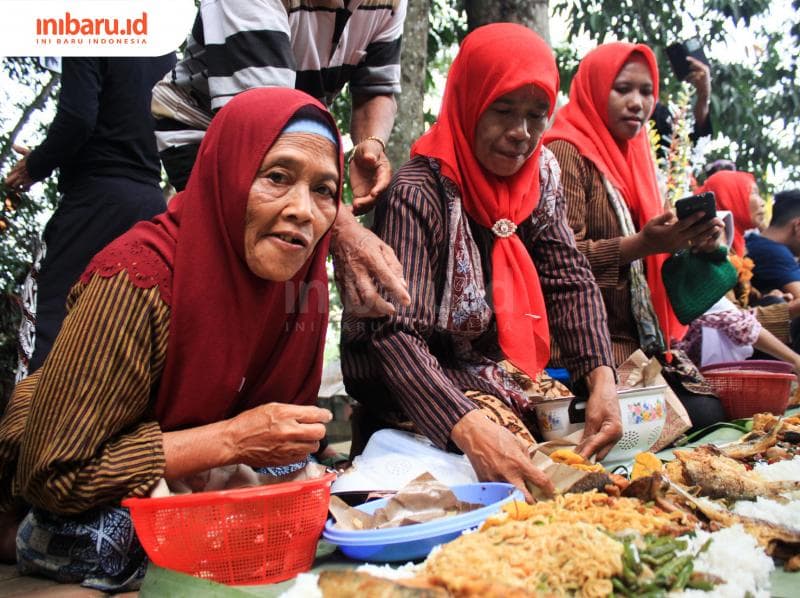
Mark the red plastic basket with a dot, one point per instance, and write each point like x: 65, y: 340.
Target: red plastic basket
x: 744, y: 393
x: 761, y: 365
x: 256, y: 535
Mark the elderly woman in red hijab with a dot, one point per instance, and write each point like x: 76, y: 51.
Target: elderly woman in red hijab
x: 193, y: 341
x: 617, y: 212
x: 476, y: 217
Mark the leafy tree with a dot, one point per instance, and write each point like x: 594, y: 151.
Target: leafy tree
x: 756, y: 107
x: 21, y: 215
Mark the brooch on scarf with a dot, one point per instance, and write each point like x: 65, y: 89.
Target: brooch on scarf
x: 504, y: 228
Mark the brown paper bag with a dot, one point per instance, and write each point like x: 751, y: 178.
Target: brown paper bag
x: 639, y: 371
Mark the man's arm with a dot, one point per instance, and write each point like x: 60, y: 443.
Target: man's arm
x: 76, y: 117
x: 370, y: 170
x: 793, y: 288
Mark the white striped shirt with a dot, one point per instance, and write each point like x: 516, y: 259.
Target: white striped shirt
x: 313, y: 45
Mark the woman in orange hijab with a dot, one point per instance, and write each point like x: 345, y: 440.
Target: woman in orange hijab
x: 477, y: 220
x: 616, y: 210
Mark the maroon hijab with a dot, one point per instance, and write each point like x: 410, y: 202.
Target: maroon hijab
x: 235, y: 340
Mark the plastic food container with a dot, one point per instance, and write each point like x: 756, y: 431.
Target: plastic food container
x: 760, y: 365
x: 253, y: 535
x: 745, y: 392
x: 644, y: 413
x: 413, y: 542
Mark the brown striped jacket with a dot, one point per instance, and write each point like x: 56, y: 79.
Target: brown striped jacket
x: 79, y: 432
x: 403, y: 367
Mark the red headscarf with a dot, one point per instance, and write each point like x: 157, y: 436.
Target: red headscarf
x: 629, y: 166
x: 732, y: 191
x: 495, y: 60
x: 235, y: 340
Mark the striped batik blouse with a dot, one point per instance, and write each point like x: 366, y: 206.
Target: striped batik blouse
x: 403, y: 366
x: 79, y: 432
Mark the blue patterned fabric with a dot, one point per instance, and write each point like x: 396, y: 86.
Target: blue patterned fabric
x: 97, y: 549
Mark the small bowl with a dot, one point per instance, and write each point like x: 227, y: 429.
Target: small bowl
x: 412, y: 542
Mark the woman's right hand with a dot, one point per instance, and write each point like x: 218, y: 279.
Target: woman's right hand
x: 496, y: 454
x: 666, y: 234
x: 276, y: 434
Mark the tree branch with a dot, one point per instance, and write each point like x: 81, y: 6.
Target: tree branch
x: 37, y: 104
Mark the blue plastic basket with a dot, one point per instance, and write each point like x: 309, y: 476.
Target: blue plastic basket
x: 413, y: 542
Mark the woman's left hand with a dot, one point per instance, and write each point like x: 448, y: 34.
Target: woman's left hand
x: 603, y: 421
x: 363, y: 266
x: 709, y: 241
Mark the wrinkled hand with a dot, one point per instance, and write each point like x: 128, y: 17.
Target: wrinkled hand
x: 496, y: 454
x: 603, y: 421
x: 370, y: 175
x: 363, y: 264
x: 18, y: 177
x: 276, y: 433
x: 666, y: 234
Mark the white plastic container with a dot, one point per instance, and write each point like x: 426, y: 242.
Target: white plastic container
x: 644, y: 413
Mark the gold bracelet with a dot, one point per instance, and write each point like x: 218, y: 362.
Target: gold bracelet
x: 373, y: 138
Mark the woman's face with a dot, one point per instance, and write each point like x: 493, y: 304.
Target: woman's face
x: 631, y: 99
x: 291, y: 205
x: 757, y: 212
x: 509, y: 130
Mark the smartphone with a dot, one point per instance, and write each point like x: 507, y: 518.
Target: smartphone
x: 704, y: 202
x: 679, y: 51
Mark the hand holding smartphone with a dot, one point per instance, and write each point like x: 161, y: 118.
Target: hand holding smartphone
x: 678, y: 52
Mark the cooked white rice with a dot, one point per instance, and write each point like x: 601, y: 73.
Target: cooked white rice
x: 388, y: 572
x: 735, y: 557
x: 305, y: 586
x: 788, y: 470
x: 769, y: 510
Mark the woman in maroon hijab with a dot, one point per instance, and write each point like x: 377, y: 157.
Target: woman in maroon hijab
x: 193, y: 341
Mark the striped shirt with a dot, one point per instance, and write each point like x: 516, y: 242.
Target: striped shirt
x: 79, y: 433
x: 402, y: 367
x: 313, y: 45
x: 598, y: 236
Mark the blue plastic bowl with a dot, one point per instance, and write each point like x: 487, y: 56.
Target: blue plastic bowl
x: 413, y: 542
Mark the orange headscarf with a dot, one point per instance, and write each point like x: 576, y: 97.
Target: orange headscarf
x: 732, y: 192
x: 495, y: 60
x: 629, y: 166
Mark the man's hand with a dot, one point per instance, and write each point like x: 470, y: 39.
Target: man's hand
x: 363, y: 264
x: 496, y: 454
x: 18, y: 177
x: 700, y: 78
x: 603, y: 421
x: 370, y: 174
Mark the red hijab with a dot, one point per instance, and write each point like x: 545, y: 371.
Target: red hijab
x: 495, y: 60
x: 235, y: 340
x: 629, y: 165
x: 732, y: 191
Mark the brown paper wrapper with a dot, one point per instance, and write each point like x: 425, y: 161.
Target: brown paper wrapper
x: 422, y: 499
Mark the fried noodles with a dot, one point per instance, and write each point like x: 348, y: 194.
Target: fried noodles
x: 563, y: 559
x: 614, y: 514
